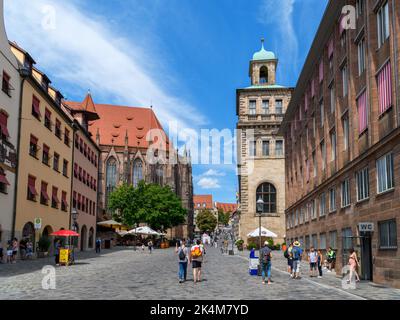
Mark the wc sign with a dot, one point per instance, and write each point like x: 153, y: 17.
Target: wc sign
x: 366, y: 227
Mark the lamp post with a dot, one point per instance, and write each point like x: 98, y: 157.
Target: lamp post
x: 260, y: 207
x: 74, y: 215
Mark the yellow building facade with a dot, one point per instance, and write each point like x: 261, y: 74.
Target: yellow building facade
x: 45, y: 157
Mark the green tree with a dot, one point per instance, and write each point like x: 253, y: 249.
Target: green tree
x: 163, y: 208
x: 206, y: 221
x: 223, y: 218
x: 147, y: 203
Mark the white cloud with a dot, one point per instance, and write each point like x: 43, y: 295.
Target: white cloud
x: 86, y: 52
x: 279, y: 14
x: 213, y: 173
x: 209, y: 183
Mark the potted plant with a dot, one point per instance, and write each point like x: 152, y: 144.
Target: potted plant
x: 43, y: 247
x: 251, y: 246
x: 239, y: 244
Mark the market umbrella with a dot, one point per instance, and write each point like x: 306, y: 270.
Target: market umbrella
x: 144, y: 230
x: 109, y: 223
x: 65, y: 233
x: 264, y: 233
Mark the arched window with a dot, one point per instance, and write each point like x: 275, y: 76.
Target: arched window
x: 267, y: 193
x: 137, y: 172
x: 111, y: 174
x: 263, y: 75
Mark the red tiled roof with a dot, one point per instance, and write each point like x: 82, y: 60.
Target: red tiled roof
x: 227, y: 207
x: 201, y: 199
x: 117, y: 121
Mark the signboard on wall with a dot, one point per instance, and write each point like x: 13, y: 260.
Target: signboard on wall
x: 366, y: 227
x: 38, y: 223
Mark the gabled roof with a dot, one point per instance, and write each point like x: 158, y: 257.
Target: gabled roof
x: 87, y: 106
x: 227, y: 207
x: 203, y: 199
x: 117, y: 122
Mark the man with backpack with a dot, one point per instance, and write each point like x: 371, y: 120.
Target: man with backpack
x: 297, y: 253
x: 289, y: 256
x: 196, y: 258
x: 265, y: 262
x: 183, y: 254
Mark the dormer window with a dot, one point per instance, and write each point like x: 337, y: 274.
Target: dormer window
x: 263, y: 75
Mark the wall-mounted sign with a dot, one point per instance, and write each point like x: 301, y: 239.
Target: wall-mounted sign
x: 366, y: 226
x: 38, y: 223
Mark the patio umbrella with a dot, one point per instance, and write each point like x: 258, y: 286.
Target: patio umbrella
x: 264, y: 233
x: 109, y: 223
x: 65, y: 233
x: 145, y: 231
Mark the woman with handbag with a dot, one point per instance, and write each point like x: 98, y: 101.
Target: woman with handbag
x: 353, y: 263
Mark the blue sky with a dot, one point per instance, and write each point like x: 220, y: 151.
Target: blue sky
x: 186, y: 58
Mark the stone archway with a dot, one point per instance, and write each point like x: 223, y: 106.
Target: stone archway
x: 91, y: 238
x: 47, y: 231
x: 28, y: 232
x: 83, y: 238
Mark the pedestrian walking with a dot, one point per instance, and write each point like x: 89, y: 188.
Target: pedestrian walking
x: 14, y: 250
x: 57, y: 248
x: 313, y: 261
x: 320, y: 259
x: 1, y: 252
x: 289, y: 256
x: 9, y: 251
x: 29, y: 249
x: 150, y: 246
x: 331, y: 258
x: 353, y: 263
x: 265, y: 262
x: 22, y: 249
x: 183, y: 254
x: 98, y: 245
x: 297, y: 254
x: 196, y: 258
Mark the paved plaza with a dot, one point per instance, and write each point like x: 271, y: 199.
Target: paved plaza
x: 123, y: 273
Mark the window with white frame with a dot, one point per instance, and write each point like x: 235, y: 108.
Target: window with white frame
x: 387, y: 234
x: 314, y: 164
x: 362, y: 179
x: 346, y: 131
x: 385, y: 173
x: 313, y: 210
x: 332, y: 98
x: 332, y: 200
x: 265, y: 148
x: 323, y: 154
x: 253, y: 107
x: 345, y: 81
x: 359, y: 8
x: 333, y: 239
x: 383, y: 24
x: 361, y: 57
x: 279, y: 148
x: 322, y: 241
x: 333, y: 145
x: 253, y: 148
x: 322, y: 205
x: 346, y: 193
x: 278, y: 107
x: 265, y: 106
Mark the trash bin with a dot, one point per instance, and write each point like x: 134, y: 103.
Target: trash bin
x: 253, y: 266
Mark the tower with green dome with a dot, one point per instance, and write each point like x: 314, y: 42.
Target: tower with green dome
x: 261, y: 156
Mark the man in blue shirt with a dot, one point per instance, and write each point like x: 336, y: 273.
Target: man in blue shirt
x: 297, y: 252
x: 265, y: 262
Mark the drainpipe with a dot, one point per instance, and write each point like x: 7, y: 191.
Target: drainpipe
x: 395, y: 53
x: 24, y: 73
x: 74, y: 129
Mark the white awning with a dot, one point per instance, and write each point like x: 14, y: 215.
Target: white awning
x: 264, y: 233
x: 144, y: 230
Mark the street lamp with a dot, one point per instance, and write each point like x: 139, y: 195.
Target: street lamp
x: 260, y: 209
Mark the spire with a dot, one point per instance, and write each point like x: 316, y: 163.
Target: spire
x: 126, y: 140
x: 262, y: 43
x: 89, y: 108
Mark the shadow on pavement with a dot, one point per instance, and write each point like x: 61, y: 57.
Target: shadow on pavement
x: 28, y: 266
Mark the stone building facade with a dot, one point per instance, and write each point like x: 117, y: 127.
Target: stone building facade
x: 261, y: 163
x: 342, y: 131
x: 9, y: 114
x: 124, y: 136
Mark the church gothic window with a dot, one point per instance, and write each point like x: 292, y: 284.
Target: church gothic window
x: 111, y: 174
x: 137, y: 172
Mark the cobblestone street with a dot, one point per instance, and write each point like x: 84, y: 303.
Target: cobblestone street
x: 128, y: 274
